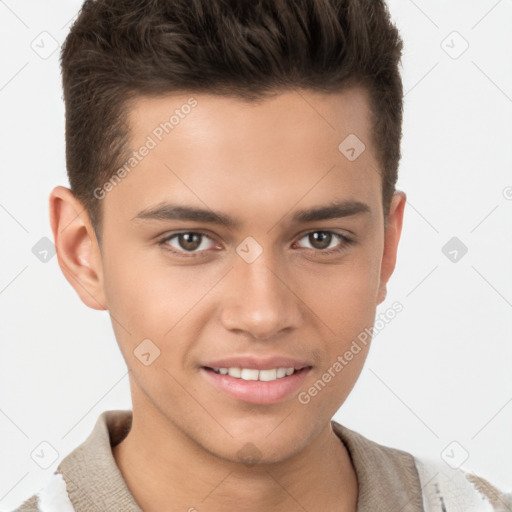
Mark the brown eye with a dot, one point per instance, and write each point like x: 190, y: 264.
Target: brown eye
x: 320, y: 239
x: 327, y: 242
x: 191, y: 242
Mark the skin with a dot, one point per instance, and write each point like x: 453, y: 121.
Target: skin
x: 258, y: 163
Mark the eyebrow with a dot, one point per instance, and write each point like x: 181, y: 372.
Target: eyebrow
x: 168, y: 211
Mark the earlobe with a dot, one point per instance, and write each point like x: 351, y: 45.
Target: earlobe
x: 392, y: 234
x: 77, y: 247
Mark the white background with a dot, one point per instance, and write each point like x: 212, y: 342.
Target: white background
x: 439, y: 372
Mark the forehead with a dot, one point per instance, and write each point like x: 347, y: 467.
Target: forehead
x: 287, y: 116
x: 297, y: 148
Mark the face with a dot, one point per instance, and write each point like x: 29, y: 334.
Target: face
x: 283, y: 266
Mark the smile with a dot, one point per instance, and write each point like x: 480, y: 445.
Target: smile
x: 254, y: 386
x: 253, y: 374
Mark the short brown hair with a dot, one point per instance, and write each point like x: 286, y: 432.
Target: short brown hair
x: 117, y: 50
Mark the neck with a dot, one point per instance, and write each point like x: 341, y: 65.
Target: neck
x: 166, y: 470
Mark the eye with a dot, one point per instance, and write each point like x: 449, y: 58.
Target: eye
x: 195, y: 243
x: 187, y: 242
x: 322, y: 241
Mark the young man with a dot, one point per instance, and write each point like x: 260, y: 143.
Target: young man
x: 233, y: 206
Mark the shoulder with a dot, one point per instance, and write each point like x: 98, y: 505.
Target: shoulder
x: 53, y: 496
x: 429, y: 485
x: 387, y: 477
x: 445, y: 488
x: 29, y: 505
x: 89, y: 474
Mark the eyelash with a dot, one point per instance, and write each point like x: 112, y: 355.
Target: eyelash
x: 345, y: 242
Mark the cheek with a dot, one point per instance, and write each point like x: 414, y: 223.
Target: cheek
x: 150, y: 297
x: 344, y: 295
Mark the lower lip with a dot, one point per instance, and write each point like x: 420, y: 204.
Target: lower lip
x: 256, y: 391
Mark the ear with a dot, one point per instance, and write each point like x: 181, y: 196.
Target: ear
x: 77, y: 247
x: 392, y: 231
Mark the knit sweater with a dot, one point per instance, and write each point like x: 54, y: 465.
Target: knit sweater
x: 88, y: 479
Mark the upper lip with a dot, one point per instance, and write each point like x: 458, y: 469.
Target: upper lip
x: 257, y: 363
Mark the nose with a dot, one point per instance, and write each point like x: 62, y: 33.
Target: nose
x: 258, y: 299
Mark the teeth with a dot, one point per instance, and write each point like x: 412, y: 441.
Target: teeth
x: 267, y: 375
x: 249, y: 374
x: 235, y: 372
x: 252, y: 374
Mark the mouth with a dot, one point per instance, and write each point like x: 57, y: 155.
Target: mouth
x: 260, y: 387
x: 251, y: 374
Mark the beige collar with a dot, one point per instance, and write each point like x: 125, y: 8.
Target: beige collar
x: 387, y: 477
